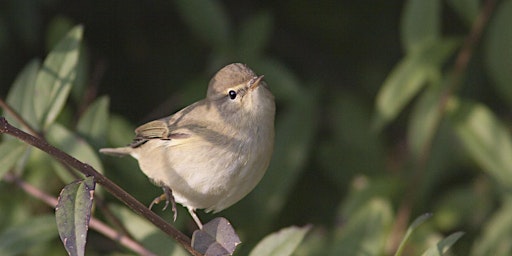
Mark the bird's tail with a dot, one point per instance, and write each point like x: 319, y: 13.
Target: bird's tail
x: 117, y: 151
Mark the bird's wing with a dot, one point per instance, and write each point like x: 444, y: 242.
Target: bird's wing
x: 158, y: 129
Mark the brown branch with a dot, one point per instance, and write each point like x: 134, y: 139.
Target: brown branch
x: 460, y: 65
x: 110, y: 186
x: 94, y: 223
x: 18, y: 118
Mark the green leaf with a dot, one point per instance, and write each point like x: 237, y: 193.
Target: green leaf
x: 442, y: 246
x: 418, y: 221
x: 409, y: 77
x: 10, y: 152
x: 467, y: 9
x: 73, y: 145
x: 21, y: 96
x: 497, y: 233
x: 424, y: 121
x: 21, y: 237
x: 93, y: 124
x: 254, y: 35
x: 281, y: 243
x: 420, y: 23
x: 73, y: 213
x: 485, y: 138
x: 366, y: 231
x: 146, y: 233
x: 497, y: 50
x: 207, y: 19
x: 55, y: 78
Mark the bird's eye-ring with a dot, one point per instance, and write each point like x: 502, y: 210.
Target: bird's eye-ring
x: 232, y: 94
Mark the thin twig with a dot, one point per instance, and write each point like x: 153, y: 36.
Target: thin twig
x: 94, y: 223
x: 459, y: 68
x: 18, y: 118
x: 110, y: 186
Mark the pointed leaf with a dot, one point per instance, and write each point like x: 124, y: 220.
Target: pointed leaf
x: 420, y: 23
x: 21, y: 95
x: 498, y: 53
x: 217, y: 237
x: 442, y: 246
x: 73, y: 212
x: 19, y: 238
x: 424, y: 121
x: 56, y: 77
x: 409, y: 77
x: 10, y: 152
x: 93, y: 123
x: 281, y: 243
x: 418, y: 221
x: 485, y: 138
x: 207, y: 20
x: 75, y: 146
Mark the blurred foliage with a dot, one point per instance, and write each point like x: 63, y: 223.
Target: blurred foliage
x: 378, y: 121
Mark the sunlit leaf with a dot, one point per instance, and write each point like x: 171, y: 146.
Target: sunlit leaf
x: 410, y: 75
x: 73, y: 145
x: 281, y: 243
x: 217, y: 237
x: 93, y: 123
x: 73, y: 212
x: 207, y: 20
x: 366, y: 231
x: 424, y: 121
x: 10, y: 152
x: 19, y: 238
x: 56, y: 76
x: 444, y: 245
x: 21, y: 96
x: 497, y: 47
x: 420, y: 23
x: 485, y: 138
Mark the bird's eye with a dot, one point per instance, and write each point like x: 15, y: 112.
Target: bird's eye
x: 232, y: 94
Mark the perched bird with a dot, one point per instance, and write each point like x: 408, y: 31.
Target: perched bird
x: 212, y: 153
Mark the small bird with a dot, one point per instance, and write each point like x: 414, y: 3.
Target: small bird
x: 211, y: 154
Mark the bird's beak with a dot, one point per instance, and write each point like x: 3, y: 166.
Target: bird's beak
x: 255, y: 82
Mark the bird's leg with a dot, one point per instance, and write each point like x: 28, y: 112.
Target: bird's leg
x: 167, y: 196
x: 196, y: 219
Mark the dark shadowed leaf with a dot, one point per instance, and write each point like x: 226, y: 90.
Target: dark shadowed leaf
x: 216, y: 238
x: 19, y: 238
x: 442, y: 246
x: 498, y: 53
x: 73, y: 212
x: 254, y: 35
x: 281, y: 243
x: 467, y: 9
x: 420, y: 23
x: 207, y: 20
x: 56, y: 76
